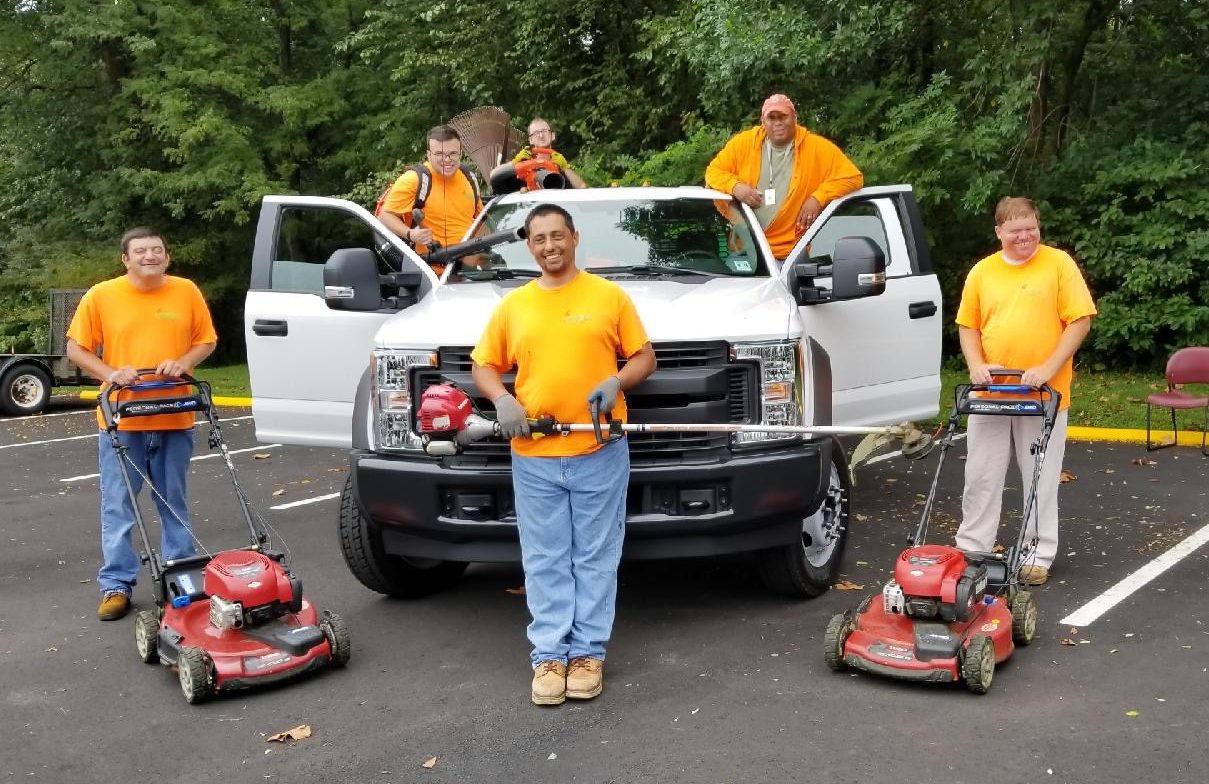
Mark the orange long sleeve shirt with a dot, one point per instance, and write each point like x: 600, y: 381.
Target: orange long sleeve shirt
x: 820, y: 169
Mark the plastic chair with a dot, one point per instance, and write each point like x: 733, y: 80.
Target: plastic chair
x: 1186, y: 366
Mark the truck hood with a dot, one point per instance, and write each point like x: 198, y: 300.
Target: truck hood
x: 734, y: 308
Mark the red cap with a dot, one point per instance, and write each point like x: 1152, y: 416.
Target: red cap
x: 778, y: 102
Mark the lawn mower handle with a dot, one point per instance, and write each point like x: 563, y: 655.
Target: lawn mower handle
x: 112, y: 411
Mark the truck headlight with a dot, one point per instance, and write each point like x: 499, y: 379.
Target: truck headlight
x: 391, y: 396
x: 780, y: 369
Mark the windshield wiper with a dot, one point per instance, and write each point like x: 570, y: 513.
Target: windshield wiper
x: 498, y: 273
x: 651, y: 269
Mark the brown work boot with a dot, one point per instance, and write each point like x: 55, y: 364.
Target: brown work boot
x: 113, y: 606
x: 549, y: 683
x: 1033, y: 575
x: 585, y: 678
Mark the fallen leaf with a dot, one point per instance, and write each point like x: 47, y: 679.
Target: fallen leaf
x: 261, y: 456
x: 552, y: 756
x: 52, y: 649
x: 279, y: 492
x: 429, y: 763
x: 1143, y: 461
x: 301, y: 732
x: 516, y: 591
x: 1110, y: 470
x: 1067, y: 476
x: 1068, y: 641
x: 847, y: 585
x: 998, y: 548
x: 1131, y: 714
x: 860, y: 517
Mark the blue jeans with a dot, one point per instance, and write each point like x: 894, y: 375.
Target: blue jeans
x: 163, y: 457
x: 571, y: 516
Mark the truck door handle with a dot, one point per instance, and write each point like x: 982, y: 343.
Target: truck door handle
x: 271, y: 327
x: 921, y: 309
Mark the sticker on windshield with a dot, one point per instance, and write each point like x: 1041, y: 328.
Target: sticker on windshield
x: 739, y: 264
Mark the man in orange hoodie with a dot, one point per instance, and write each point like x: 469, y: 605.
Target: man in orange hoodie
x: 784, y: 172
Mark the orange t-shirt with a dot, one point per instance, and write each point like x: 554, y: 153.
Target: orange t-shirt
x: 562, y: 342
x: 450, y: 208
x: 820, y: 169
x: 1021, y: 310
x: 141, y: 329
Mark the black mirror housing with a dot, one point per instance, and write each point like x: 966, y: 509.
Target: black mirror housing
x: 350, y: 280
x: 858, y: 269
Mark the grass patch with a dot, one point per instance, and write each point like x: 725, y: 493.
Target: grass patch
x: 227, y: 380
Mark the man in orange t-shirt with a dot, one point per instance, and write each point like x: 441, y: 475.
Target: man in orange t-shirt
x: 564, y: 334
x: 1025, y: 307
x: 143, y: 319
x: 451, y: 204
x: 784, y: 172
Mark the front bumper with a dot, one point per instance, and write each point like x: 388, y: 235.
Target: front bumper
x: 747, y: 502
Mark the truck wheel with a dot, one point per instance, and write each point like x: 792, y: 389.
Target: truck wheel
x: 393, y: 575
x: 807, y: 567
x: 24, y: 389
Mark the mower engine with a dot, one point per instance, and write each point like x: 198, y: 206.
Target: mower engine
x: 447, y: 420
x: 935, y: 582
x: 247, y: 588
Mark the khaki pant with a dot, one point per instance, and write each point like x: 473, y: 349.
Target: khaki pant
x: 990, y: 442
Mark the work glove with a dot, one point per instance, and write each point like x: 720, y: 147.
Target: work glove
x: 511, y: 416
x: 524, y: 155
x: 559, y: 160
x: 605, y: 394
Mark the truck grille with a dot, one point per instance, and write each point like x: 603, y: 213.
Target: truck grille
x: 694, y: 382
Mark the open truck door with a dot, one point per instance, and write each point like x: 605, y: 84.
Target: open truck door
x: 326, y: 274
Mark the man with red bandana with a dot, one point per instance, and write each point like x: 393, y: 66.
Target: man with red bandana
x: 1024, y: 307
x: 784, y: 172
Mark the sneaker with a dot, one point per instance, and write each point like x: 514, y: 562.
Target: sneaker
x: 549, y: 683
x: 1033, y: 575
x: 114, y: 605
x: 585, y: 678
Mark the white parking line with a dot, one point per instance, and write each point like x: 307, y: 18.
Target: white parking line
x: 192, y: 460
x: 305, y: 501
x: 199, y: 423
x: 1134, y: 582
x: 48, y: 416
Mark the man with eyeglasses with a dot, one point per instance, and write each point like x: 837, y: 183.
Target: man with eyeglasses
x: 450, y: 204
x: 784, y: 172
x: 1024, y: 307
x: 541, y: 137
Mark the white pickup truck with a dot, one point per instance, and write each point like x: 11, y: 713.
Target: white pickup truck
x: 346, y: 326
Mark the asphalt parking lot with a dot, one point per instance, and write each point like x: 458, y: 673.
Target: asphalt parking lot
x: 709, y: 678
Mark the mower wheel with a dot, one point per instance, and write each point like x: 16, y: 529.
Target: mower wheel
x: 336, y: 632
x: 1024, y: 617
x: 146, y: 636
x: 378, y: 570
x: 193, y: 665
x: 978, y: 664
x: 834, y: 639
x: 807, y: 567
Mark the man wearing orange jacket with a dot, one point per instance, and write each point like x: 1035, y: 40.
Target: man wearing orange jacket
x: 784, y: 172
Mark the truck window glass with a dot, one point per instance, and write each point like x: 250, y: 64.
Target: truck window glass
x: 306, y: 237
x: 860, y: 219
x: 697, y: 234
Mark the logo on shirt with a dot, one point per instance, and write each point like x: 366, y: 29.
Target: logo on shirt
x: 576, y: 318
x: 166, y: 315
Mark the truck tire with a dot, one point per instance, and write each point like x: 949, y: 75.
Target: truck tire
x: 806, y: 568
x: 24, y: 389
x: 377, y: 570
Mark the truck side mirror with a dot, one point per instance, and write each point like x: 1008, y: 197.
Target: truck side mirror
x: 350, y: 280
x: 858, y: 269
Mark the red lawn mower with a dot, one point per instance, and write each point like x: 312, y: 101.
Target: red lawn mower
x: 948, y: 614
x: 228, y: 620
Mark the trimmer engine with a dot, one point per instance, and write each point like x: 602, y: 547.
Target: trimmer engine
x: 447, y: 420
x: 247, y: 588
x: 935, y: 581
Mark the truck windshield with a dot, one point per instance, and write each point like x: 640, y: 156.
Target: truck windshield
x: 651, y: 237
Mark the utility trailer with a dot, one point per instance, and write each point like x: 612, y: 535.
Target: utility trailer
x: 26, y: 380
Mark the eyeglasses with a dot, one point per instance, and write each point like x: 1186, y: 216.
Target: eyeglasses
x: 445, y: 156
x: 540, y: 132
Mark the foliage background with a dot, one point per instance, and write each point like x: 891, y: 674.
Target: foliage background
x: 183, y: 115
